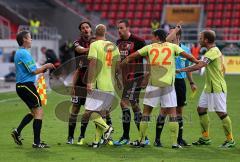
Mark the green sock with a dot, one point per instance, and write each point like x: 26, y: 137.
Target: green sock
x: 143, y: 130
x: 98, y: 120
x: 204, y: 121
x: 98, y: 134
x: 174, y: 131
x: 227, y: 127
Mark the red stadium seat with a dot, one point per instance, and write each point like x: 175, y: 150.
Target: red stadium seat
x: 132, y: 1
x: 138, y: 14
x: 147, y: 14
x: 97, y: 7
x: 137, y: 23
x: 121, y: 15
x: 104, y: 14
x: 236, y: 15
x: 130, y: 15
x: 106, y: 1
x: 131, y: 7
x: 150, y: 1
x: 219, y: 7
x: 122, y: 1
x: 122, y: 7
x: 114, y: 7
x: 89, y: 7
x: 209, y: 22
x: 159, y: 1
x: 146, y: 23
x: 97, y: 1
x: 210, y: 15
x: 149, y: 7
x: 237, y: 7
x: 236, y: 23
x: 219, y: 14
x: 210, y: 7
x: 217, y: 22
x: 227, y: 23
x: 105, y: 7
x: 229, y: 6
x: 228, y: 14
x: 140, y: 7
x: 111, y: 15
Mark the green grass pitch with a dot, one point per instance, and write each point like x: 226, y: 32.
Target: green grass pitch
x: 54, y: 132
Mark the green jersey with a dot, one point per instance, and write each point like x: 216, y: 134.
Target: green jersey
x: 162, y: 60
x: 107, y: 55
x: 215, y: 82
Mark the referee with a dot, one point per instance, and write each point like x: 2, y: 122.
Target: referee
x: 26, y: 72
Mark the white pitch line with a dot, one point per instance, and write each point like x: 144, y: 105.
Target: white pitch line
x: 9, y: 99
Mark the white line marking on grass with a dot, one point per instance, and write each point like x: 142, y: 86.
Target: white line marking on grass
x: 9, y: 99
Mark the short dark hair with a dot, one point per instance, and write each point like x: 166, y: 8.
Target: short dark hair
x: 161, y: 34
x: 20, y: 36
x: 209, y: 35
x: 84, y: 22
x: 125, y: 21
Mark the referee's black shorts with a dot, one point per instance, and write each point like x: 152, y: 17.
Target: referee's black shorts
x: 180, y: 87
x: 28, y: 93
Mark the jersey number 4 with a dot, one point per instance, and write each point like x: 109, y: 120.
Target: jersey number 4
x: 165, y: 51
x: 109, y: 58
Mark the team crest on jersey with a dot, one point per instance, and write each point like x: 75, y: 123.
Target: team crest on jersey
x: 125, y: 48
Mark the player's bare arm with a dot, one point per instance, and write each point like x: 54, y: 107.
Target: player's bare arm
x: 172, y: 35
x: 194, y: 67
x: 189, y: 57
x: 91, y: 74
x: 130, y: 58
x: 81, y: 50
x: 44, y: 68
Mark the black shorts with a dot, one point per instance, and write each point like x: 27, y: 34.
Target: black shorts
x: 28, y: 93
x: 78, y: 101
x: 180, y: 87
x: 80, y: 89
x: 132, y: 91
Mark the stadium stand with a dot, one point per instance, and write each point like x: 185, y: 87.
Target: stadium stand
x: 223, y: 14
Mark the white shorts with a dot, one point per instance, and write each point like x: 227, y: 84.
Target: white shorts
x: 215, y: 102
x: 99, y: 100
x: 166, y: 96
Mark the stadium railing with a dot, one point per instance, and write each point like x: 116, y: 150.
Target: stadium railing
x: 43, y: 33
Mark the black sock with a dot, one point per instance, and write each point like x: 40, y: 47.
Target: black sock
x: 159, y: 126
x: 180, y: 124
x: 72, y: 125
x: 27, y: 119
x: 37, y: 125
x: 137, y: 119
x: 83, y: 129
x: 109, y: 120
x: 126, y: 119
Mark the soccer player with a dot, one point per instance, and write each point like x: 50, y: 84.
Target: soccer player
x: 81, y: 47
x: 103, y: 57
x: 132, y: 81
x: 180, y: 88
x: 26, y: 72
x: 161, y: 85
x: 214, y: 95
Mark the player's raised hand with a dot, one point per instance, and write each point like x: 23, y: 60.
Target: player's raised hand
x: 179, y: 24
